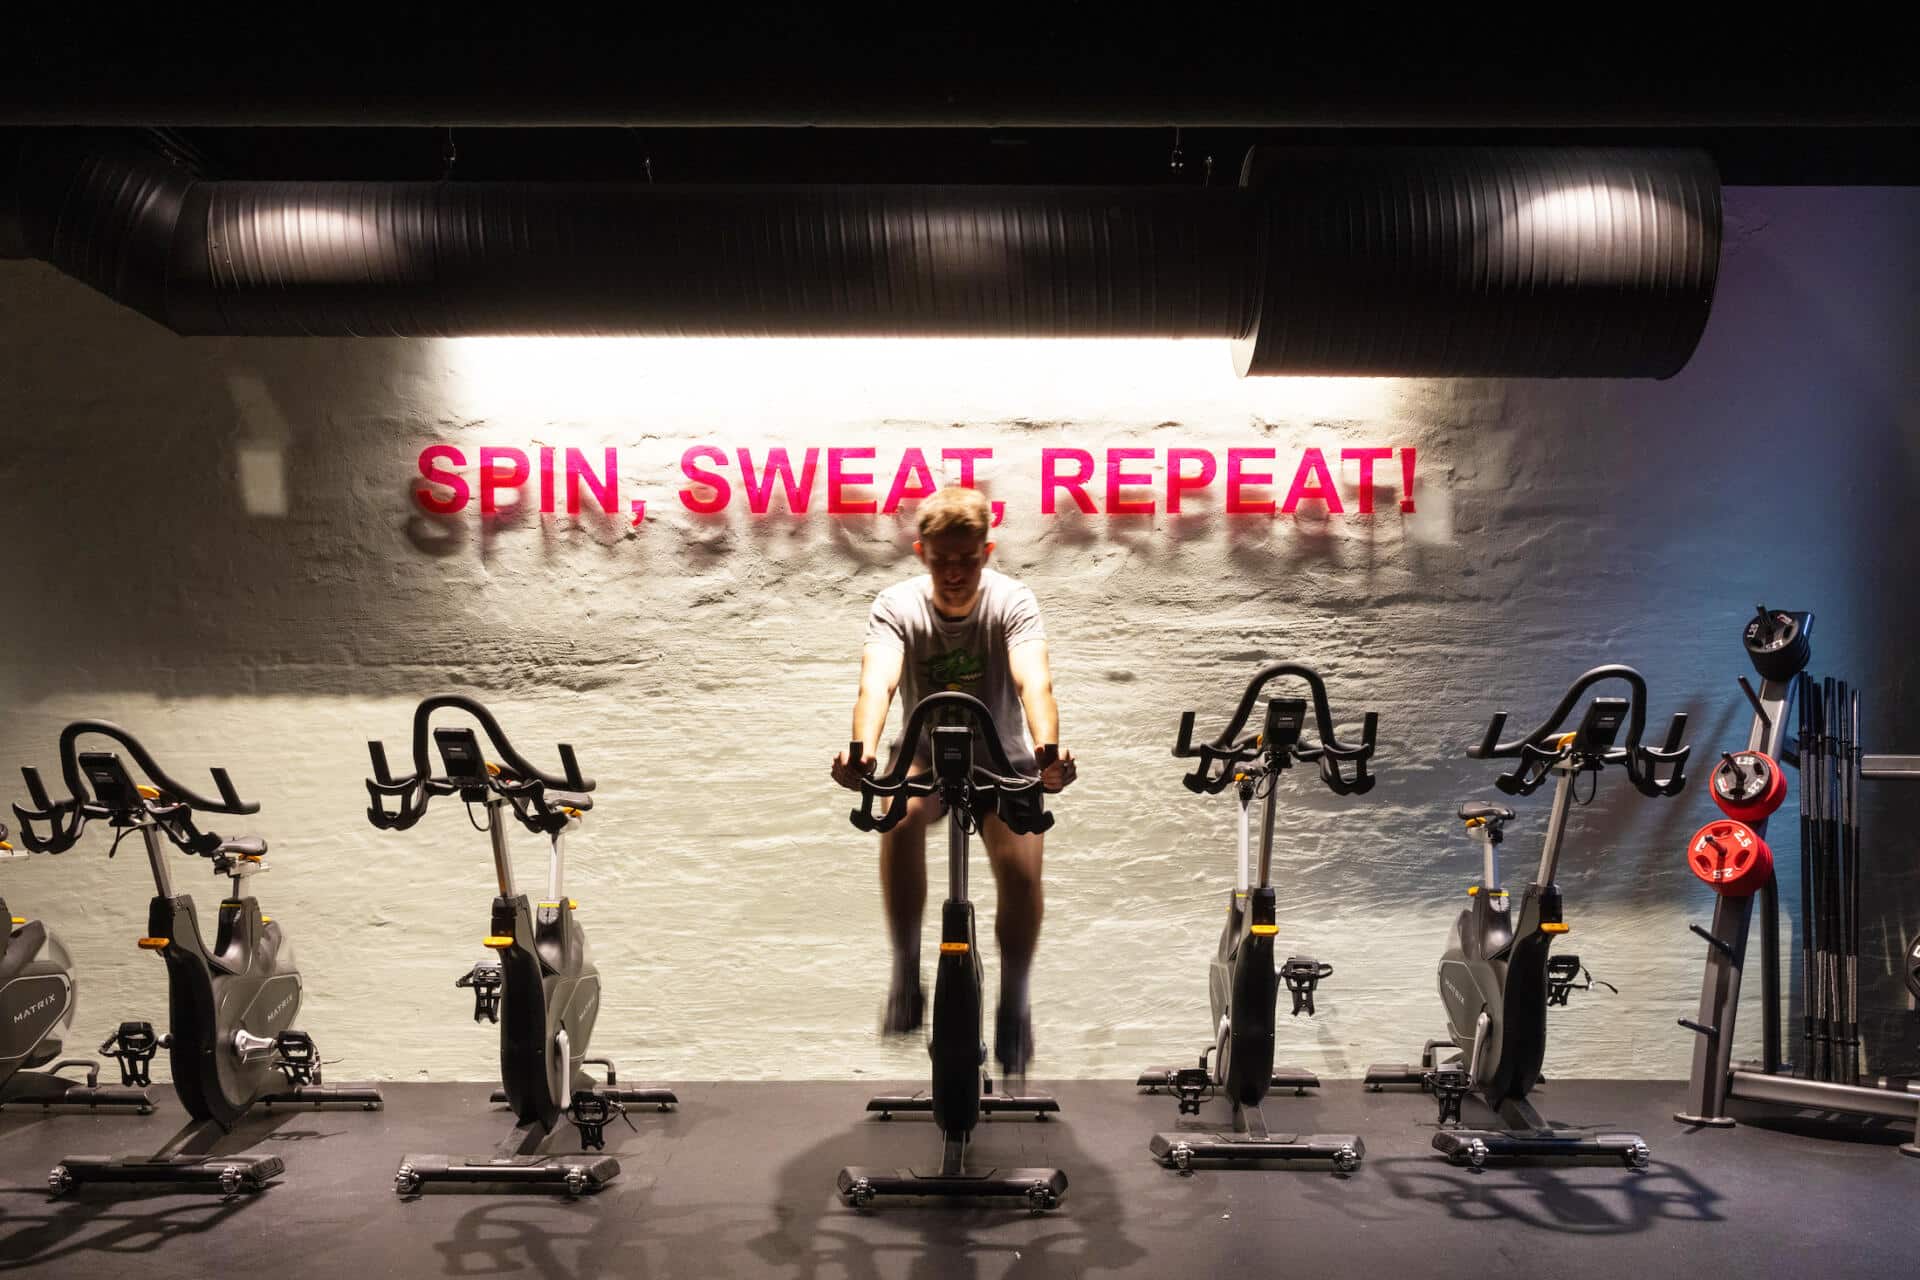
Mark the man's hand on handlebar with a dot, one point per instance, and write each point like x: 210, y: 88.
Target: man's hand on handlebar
x: 849, y: 775
x: 1057, y: 769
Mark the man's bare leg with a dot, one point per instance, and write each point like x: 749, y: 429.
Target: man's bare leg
x: 1016, y: 861
x: 903, y: 892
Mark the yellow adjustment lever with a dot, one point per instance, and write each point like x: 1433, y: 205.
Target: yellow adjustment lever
x: 573, y: 904
x: 266, y: 919
x: 571, y: 813
x: 954, y: 948
x: 1556, y: 928
x: 493, y: 770
x: 19, y: 919
x: 1475, y: 822
x: 497, y: 942
x: 1473, y: 890
x: 5, y: 847
x: 1264, y: 930
x: 150, y: 793
x: 155, y: 944
x: 1564, y: 741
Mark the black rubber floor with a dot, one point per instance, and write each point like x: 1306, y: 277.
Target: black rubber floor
x: 740, y: 1181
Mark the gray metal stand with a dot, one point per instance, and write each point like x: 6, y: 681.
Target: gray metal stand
x: 516, y: 1162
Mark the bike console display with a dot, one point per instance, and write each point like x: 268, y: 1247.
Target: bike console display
x: 952, y: 752
x: 1286, y: 717
x: 1600, y: 726
x: 113, y: 786
x: 466, y: 767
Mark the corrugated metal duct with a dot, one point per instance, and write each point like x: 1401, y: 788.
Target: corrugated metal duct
x: 1519, y: 262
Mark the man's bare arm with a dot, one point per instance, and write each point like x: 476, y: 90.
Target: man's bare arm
x: 880, y: 667
x: 1033, y: 681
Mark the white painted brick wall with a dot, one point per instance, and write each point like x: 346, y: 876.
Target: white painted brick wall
x: 210, y: 541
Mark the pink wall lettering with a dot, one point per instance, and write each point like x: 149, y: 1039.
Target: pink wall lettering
x: 839, y: 477
x: 1128, y: 480
x: 1312, y: 483
x: 1238, y: 478
x: 1179, y: 482
x: 1052, y: 463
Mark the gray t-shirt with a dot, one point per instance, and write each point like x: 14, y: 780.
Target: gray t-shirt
x: 968, y: 654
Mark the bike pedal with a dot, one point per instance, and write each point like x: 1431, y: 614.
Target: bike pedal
x: 1449, y: 1086
x: 296, y: 1057
x: 133, y: 1046
x: 1191, y: 1086
x: 1303, y: 975
x: 590, y: 1113
x: 485, y: 981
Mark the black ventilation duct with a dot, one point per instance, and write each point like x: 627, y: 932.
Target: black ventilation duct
x: 1524, y: 262
x: 1450, y: 261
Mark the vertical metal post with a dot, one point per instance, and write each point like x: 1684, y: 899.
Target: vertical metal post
x: 502, y: 856
x: 557, y: 868
x: 956, y: 855
x: 1267, y: 814
x: 1243, y: 793
x: 1770, y: 975
x: 1767, y: 735
x: 1711, y: 1073
x: 157, y: 859
x: 1556, y: 824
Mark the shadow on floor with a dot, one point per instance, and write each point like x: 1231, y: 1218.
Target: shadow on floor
x: 124, y: 1219
x: 813, y: 1233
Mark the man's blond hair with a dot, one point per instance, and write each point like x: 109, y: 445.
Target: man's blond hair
x: 955, y: 509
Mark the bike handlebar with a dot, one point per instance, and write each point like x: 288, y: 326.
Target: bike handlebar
x: 520, y: 780
x: 1009, y: 790
x: 1227, y: 749
x: 66, y: 819
x: 1643, y: 762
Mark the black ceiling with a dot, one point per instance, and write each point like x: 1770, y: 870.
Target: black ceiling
x: 1051, y: 93
x: 1195, y: 156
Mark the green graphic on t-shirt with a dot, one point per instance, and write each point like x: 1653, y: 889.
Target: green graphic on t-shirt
x: 955, y: 669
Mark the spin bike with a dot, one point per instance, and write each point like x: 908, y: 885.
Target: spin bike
x: 961, y: 1092
x: 1242, y: 982
x: 231, y: 1005
x: 37, y: 1001
x: 542, y: 988
x: 1497, y: 979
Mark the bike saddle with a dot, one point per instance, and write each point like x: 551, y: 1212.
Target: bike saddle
x: 1482, y: 810
x: 243, y: 847
x: 579, y: 800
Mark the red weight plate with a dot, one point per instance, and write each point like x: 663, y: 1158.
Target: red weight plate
x: 1758, y: 808
x: 1731, y: 857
